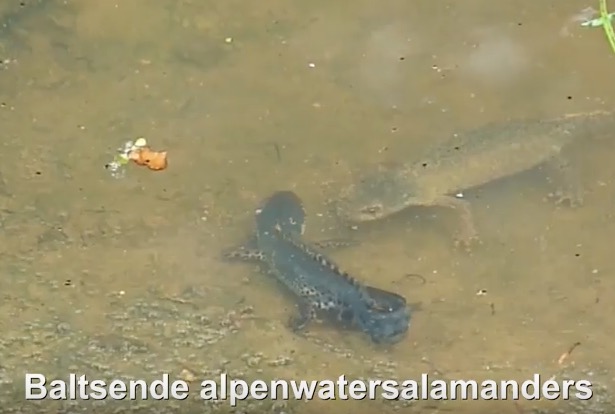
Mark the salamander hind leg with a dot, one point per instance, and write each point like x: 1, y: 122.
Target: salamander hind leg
x: 334, y: 244
x: 243, y: 254
x: 565, y: 178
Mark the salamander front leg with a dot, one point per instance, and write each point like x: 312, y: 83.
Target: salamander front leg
x: 302, y: 319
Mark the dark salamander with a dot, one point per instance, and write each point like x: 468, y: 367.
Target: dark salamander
x: 320, y: 287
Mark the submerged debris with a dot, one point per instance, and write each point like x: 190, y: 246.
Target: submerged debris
x: 139, y: 152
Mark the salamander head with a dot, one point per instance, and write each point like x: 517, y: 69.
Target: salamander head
x: 375, y: 195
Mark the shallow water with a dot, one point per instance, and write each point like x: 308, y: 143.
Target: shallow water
x: 122, y: 278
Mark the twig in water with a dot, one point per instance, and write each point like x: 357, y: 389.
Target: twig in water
x: 566, y: 354
x: 278, y: 153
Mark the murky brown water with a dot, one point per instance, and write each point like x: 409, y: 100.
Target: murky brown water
x: 122, y: 277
